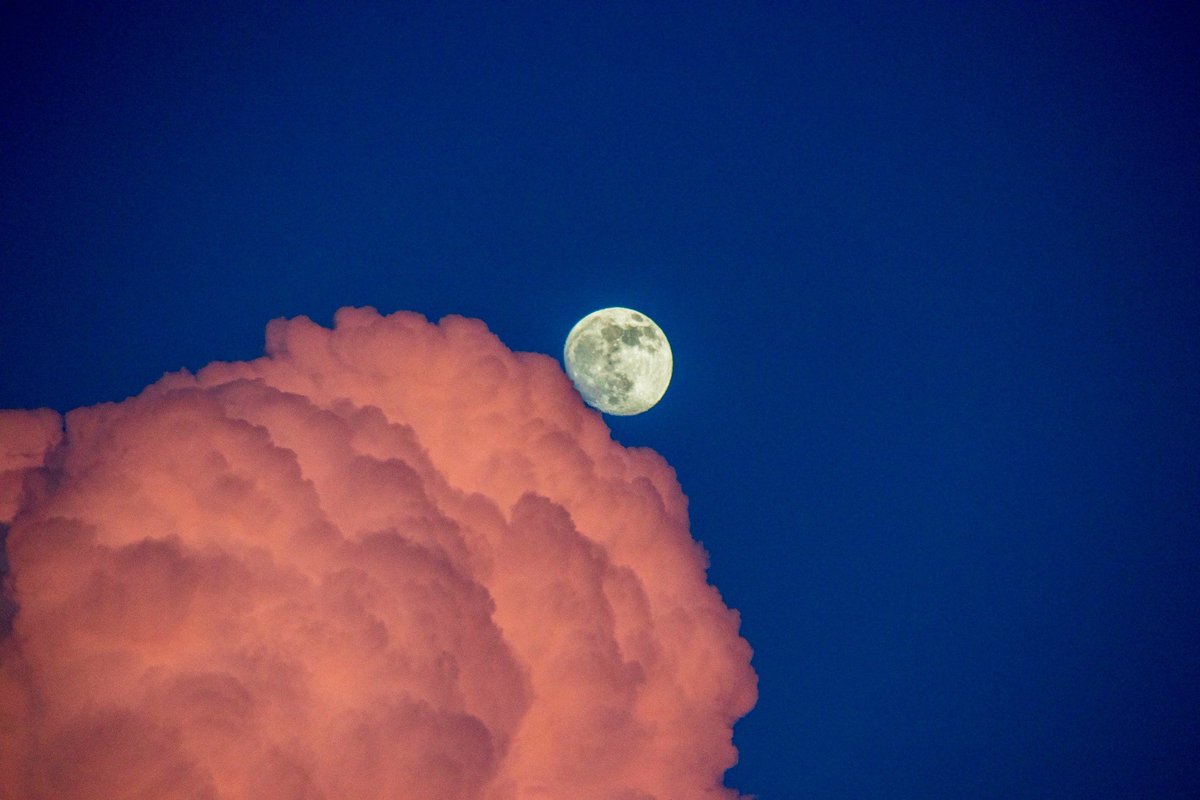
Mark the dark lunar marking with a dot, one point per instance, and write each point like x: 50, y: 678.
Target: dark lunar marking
x: 587, y: 350
x: 616, y: 389
x: 638, y: 317
x: 652, y: 339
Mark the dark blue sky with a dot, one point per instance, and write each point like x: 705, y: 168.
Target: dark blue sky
x: 930, y: 274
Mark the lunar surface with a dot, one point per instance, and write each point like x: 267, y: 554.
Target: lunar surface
x: 619, y: 360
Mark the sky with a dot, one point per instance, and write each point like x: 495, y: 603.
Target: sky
x: 929, y: 275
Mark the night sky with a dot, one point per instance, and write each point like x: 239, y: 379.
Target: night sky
x: 930, y: 275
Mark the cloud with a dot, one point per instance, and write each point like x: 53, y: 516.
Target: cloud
x: 391, y: 559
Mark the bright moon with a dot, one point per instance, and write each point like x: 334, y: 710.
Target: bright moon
x: 619, y: 360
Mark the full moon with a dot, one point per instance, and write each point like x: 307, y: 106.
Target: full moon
x: 619, y: 360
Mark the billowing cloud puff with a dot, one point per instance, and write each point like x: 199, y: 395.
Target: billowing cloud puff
x: 388, y: 560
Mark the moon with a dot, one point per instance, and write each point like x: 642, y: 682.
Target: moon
x: 619, y: 360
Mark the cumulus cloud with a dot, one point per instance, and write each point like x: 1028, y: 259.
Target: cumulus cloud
x: 390, y: 559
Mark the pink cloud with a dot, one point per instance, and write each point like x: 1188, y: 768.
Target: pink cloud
x: 391, y: 559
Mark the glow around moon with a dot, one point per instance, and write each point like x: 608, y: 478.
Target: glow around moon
x: 619, y: 360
